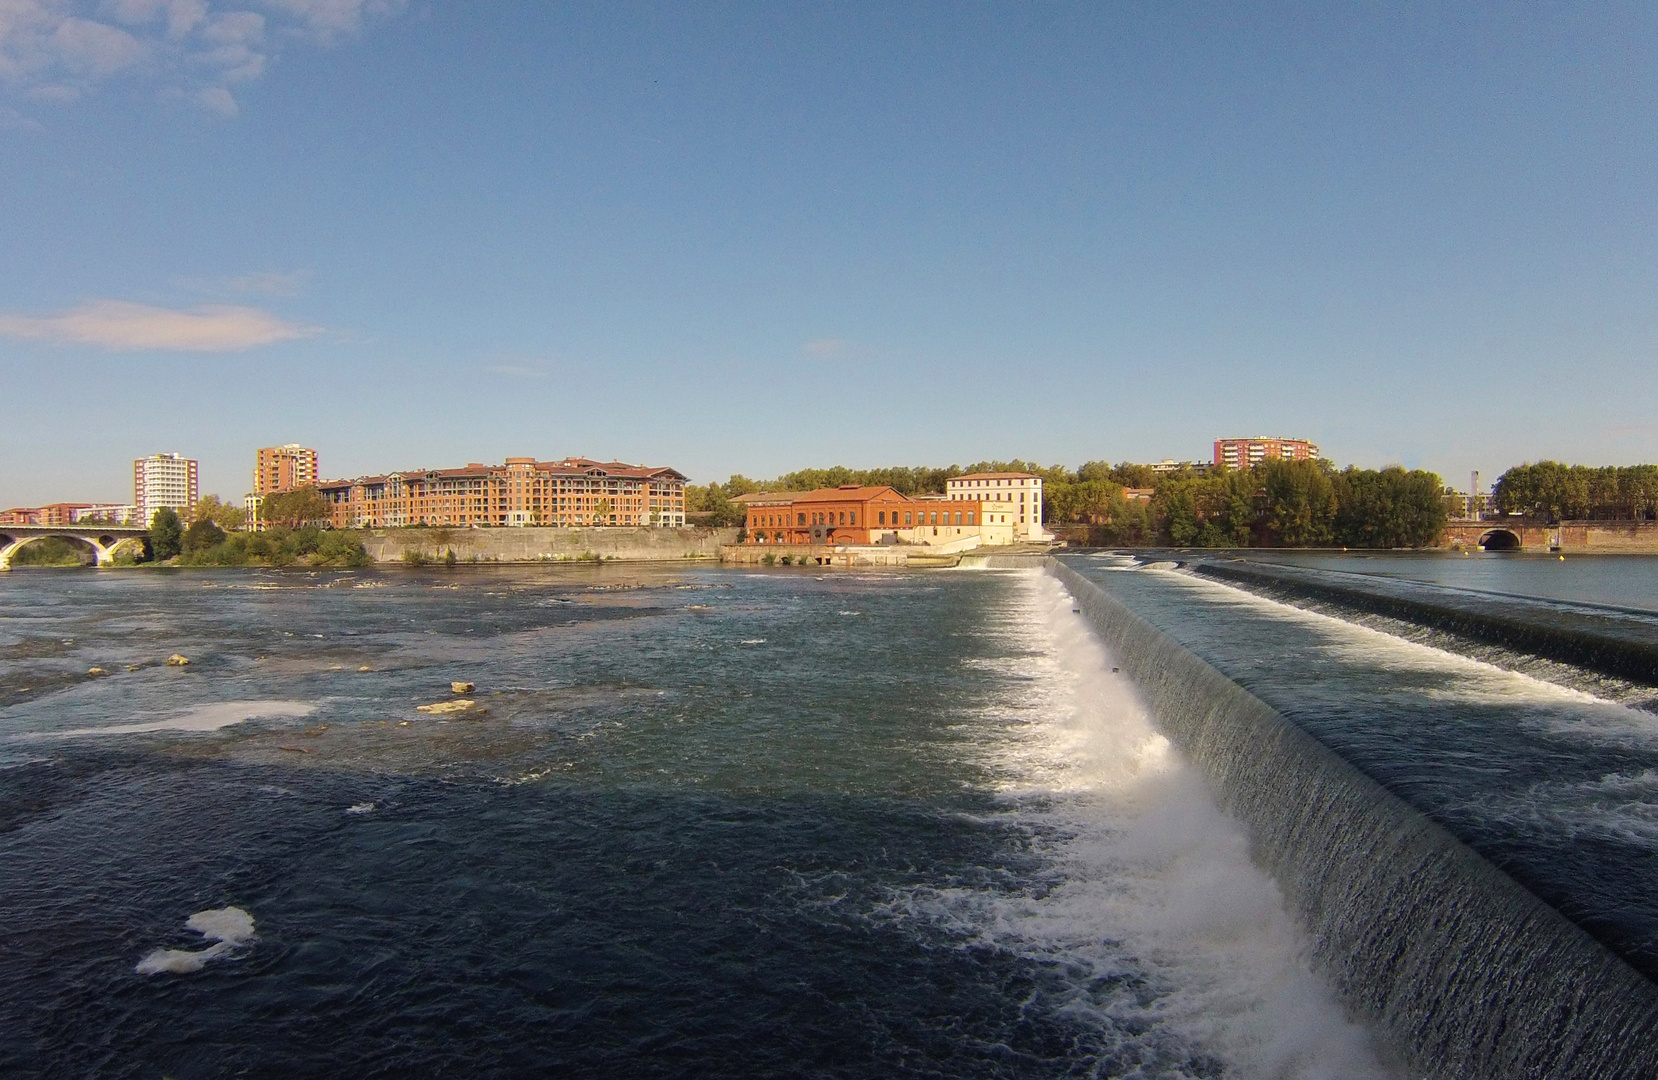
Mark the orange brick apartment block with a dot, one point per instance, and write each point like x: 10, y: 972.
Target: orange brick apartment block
x: 856, y: 515
x: 284, y: 468
x: 523, y: 491
x: 1246, y: 453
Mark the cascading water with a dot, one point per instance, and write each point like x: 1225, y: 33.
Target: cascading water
x: 1472, y: 973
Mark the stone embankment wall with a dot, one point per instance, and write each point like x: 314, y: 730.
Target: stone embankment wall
x: 532, y: 544
x: 1581, y: 537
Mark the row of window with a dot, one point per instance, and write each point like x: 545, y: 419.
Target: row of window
x: 911, y: 518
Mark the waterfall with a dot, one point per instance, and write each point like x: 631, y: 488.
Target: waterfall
x: 1468, y: 971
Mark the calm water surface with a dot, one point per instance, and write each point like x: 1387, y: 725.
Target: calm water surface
x: 1626, y: 581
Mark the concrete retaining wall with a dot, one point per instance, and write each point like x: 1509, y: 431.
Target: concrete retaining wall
x: 532, y: 544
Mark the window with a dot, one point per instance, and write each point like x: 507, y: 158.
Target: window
x: 881, y: 517
x: 854, y: 520
x: 958, y: 517
x: 802, y: 518
x: 969, y: 517
x: 935, y: 517
x: 906, y: 517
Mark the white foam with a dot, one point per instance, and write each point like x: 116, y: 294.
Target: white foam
x: 220, y: 714
x: 1541, y: 704
x: 360, y: 808
x: 1145, y: 870
x: 228, y: 927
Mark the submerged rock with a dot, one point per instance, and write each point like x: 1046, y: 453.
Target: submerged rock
x: 448, y: 708
x: 176, y: 660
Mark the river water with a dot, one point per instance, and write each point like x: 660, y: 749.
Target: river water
x: 699, y: 822
x: 1548, y: 771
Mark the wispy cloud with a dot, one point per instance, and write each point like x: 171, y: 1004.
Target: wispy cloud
x: 516, y: 371
x: 191, y: 50
x: 824, y: 347
x: 121, y: 326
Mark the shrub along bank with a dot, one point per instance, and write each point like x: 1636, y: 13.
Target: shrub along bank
x: 205, y: 544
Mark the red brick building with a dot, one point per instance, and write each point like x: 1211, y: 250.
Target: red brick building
x: 1246, y: 453
x: 284, y: 468
x: 858, y: 515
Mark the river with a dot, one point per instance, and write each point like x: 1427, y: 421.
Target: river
x: 699, y: 822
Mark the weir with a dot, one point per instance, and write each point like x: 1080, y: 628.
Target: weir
x: 1469, y: 972
x: 1473, y: 617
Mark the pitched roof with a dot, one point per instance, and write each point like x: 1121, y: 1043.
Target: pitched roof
x: 766, y: 498
x: 996, y: 476
x: 850, y: 493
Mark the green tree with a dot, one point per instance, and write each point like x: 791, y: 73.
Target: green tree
x: 226, y: 516
x: 166, y: 534
x: 202, y: 535
x: 1300, y: 503
x: 1388, y: 508
x: 295, y: 509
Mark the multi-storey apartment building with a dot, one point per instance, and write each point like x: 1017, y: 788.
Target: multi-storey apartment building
x: 68, y: 514
x: 522, y: 491
x: 164, y: 480
x: 284, y: 468
x: 1013, y: 498
x: 119, y: 513
x: 1245, y: 453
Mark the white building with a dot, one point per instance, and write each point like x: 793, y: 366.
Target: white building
x: 1013, y: 499
x: 119, y: 513
x: 164, y: 480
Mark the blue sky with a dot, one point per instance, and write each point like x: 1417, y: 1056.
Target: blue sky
x: 753, y: 237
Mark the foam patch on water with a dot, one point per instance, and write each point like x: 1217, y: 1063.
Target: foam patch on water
x: 1148, y: 883
x: 229, y: 928
x: 220, y: 714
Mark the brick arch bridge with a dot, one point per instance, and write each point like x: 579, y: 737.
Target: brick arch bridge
x: 1582, y: 537
x: 105, y: 540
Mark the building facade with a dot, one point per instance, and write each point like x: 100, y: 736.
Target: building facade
x: 522, y: 491
x: 854, y: 514
x: 119, y: 513
x: 284, y: 468
x: 1247, y: 453
x: 164, y: 480
x: 1012, y: 498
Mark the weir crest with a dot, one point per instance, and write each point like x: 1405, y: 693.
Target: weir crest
x: 1471, y: 974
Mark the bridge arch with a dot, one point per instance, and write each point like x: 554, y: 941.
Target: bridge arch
x: 100, y: 554
x: 1500, y: 540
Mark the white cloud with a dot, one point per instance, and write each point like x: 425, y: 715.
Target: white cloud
x: 126, y: 327
x: 190, y: 50
x: 823, y: 347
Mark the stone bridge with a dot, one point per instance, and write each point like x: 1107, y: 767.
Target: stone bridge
x: 1582, y: 537
x: 104, y: 540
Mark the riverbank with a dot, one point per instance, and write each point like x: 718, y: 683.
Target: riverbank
x: 534, y: 544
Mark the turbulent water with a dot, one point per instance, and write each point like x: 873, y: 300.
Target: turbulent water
x: 1554, y: 778
x: 697, y: 822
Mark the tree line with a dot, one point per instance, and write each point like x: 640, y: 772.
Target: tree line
x: 1559, y: 492
x: 1274, y: 504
